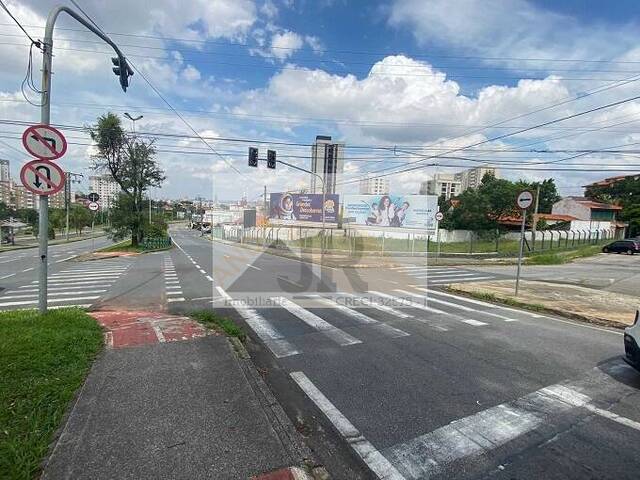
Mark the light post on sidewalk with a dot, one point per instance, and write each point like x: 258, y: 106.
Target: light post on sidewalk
x: 123, y: 72
x: 70, y: 178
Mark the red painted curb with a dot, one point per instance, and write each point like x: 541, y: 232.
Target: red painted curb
x: 290, y: 473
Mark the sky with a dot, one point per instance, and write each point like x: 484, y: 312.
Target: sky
x: 413, y: 87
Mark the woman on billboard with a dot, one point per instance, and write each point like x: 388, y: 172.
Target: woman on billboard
x: 386, y: 211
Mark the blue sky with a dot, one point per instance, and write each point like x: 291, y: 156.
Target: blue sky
x: 420, y: 76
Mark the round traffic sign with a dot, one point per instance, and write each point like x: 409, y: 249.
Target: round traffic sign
x: 525, y: 199
x: 439, y: 216
x: 93, y: 197
x: 93, y: 206
x: 42, y: 177
x: 44, y: 142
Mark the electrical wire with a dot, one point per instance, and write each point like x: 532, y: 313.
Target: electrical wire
x: 4, y: 7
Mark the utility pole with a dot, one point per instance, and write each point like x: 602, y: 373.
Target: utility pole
x: 265, y: 202
x: 45, y: 117
x: 69, y: 179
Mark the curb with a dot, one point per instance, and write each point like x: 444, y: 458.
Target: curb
x: 602, y: 322
x: 283, y: 427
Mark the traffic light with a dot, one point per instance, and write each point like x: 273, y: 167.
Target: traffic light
x: 253, y: 157
x: 123, y: 70
x: 271, y: 159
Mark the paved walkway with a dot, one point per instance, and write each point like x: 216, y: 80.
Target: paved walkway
x: 596, y: 306
x: 168, y: 400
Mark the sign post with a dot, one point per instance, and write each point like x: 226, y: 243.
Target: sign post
x: 524, y: 201
x: 94, y: 207
x: 439, y: 217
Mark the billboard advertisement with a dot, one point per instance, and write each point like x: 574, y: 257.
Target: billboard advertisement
x: 290, y: 208
x: 391, y: 211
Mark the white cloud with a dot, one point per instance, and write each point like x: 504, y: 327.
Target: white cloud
x: 269, y: 9
x: 509, y: 28
x: 314, y: 42
x: 191, y: 74
x: 285, y: 44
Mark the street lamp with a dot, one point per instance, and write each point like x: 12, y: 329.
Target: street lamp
x: 133, y: 120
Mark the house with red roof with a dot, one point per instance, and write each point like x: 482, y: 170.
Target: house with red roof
x: 584, y: 213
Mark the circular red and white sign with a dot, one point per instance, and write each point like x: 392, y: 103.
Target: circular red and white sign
x: 42, y: 177
x: 93, y: 206
x: 439, y: 216
x: 525, y: 199
x: 44, y: 142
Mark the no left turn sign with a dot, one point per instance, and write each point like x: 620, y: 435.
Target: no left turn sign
x: 42, y: 177
x: 44, y: 142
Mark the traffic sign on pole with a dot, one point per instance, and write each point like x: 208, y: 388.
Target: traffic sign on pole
x: 524, y: 201
x: 44, y: 142
x: 94, y: 207
x: 42, y: 177
x: 93, y: 197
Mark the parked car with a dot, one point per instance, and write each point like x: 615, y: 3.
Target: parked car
x: 631, y: 342
x: 622, y: 246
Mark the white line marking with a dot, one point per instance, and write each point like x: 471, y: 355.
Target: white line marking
x: 51, y: 294
x: 177, y: 292
x: 60, y: 276
x: 158, y: 333
x: 27, y: 269
x: 203, y: 272
x: 65, y: 259
x: 7, y: 276
x: 253, y: 266
x: 455, y: 305
x: 69, y: 283
x: 475, y: 323
x: 409, y: 303
x: 372, y: 457
x: 364, y: 319
x: 334, y: 333
x: 461, y: 280
x: 438, y: 276
x: 273, y: 339
x: 209, y: 278
x: 171, y: 300
x: 55, y: 300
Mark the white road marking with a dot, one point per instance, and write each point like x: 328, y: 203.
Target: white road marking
x: 378, y: 306
x: 460, y: 280
x: 171, y: 300
x: 177, y: 292
x: 76, y: 282
x: 209, y: 278
x: 364, y: 319
x: 7, y: 276
x: 110, y: 270
x: 273, y: 339
x: 253, y: 266
x: 27, y: 269
x: 409, y: 303
x: 455, y: 305
x: 438, y: 276
x: 89, y: 276
x: 341, y: 337
x: 58, y: 300
x: 158, y: 333
x: 65, y: 259
x: 51, y: 294
x: 372, y: 457
x: 203, y: 272
x: 475, y: 323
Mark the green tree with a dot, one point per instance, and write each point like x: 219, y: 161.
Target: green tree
x: 5, y: 212
x: 130, y: 161
x: 79, y: 217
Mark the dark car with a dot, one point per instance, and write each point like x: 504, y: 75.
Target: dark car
x: 631, y: 339
x: 623, y: 246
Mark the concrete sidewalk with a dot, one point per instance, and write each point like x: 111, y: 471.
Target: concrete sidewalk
x: 587, y: 304
x: 169, y: 400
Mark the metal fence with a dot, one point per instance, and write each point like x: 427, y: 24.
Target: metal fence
x: 351, y: 241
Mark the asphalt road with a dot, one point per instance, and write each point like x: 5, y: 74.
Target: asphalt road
x: 610, y: 272
x: 389, y: 377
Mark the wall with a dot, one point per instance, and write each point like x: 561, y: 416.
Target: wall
x: 568, y: 206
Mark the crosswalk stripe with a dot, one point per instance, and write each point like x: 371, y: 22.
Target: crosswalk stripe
x: 50, y: 294
x: 460, y: 307
x: 55, y: 300
x: 269, y: 335
x: 378, y: 306
x: 409, y: 303
x: 364, y: 319
x: 448, y: 275
x: 479, y: 302
x: 339, y: 336
x: 461, y: 280
x: 59, y: 276
x: 475, y: 323
x: 372, y: 457
x: 180, y: 299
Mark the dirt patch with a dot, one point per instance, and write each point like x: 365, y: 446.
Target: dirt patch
x: 587, y: 304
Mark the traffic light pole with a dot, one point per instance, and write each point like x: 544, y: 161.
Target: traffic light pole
x: 45, y: 118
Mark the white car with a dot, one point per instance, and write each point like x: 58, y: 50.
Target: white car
x: 632, y: 342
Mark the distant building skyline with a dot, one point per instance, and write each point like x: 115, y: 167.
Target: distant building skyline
x: 374, y: 186
x: 327, y: 161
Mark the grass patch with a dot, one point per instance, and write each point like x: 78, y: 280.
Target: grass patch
x: 220, y: 323
x: 563, y: 257
x: 43, y: 362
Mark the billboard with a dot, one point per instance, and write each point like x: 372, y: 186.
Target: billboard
x: 391, y: 211
x: 290, y: 208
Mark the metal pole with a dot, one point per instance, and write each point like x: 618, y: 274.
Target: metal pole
x: 521, y: 250
x: 67, y: 199
x: 438, y: 241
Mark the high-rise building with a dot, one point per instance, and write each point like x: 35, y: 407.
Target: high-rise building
x: 107, y: 188
x: 442, y: 184
x: 374, y: 186
x: 23, y: 198
x: 472, y: 178
x: 5, y: 174
x: 5, y: 192
x: 327, y: 161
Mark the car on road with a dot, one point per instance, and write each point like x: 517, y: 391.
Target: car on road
x: 631, y: 342
x: 622, y: 246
